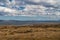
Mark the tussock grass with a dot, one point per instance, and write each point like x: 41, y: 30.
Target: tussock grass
x: 30, y: 32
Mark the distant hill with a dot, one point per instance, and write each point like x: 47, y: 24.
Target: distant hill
x: 17, y: 22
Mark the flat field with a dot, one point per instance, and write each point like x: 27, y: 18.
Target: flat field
x: 30, y: 32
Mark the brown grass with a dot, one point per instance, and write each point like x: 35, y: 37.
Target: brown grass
x: 30, y: 32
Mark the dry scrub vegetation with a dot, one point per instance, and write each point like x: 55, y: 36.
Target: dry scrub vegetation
x: 30, y: 32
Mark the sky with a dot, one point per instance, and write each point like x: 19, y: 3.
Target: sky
x: 29, y: 9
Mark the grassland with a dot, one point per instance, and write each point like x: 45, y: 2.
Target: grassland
x: 30, y: 32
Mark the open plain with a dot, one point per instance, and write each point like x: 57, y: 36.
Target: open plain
x: 30, y: 32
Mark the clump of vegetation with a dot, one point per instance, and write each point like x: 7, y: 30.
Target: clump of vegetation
x: 30, y: 32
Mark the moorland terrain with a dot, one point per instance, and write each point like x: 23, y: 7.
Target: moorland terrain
x: 30, y: 32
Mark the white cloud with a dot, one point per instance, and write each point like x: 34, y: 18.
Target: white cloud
x: 32, y: 8
x: 4, y: 9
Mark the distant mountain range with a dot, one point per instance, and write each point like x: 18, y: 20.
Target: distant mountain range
x: 17, y: 22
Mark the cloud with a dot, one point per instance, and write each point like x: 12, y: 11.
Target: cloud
x: 30, y: 8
